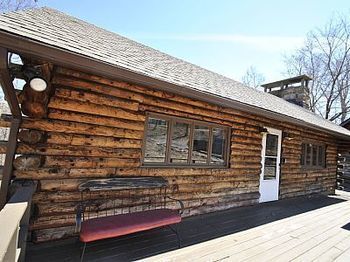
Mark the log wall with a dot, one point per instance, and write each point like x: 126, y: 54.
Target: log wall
x: 95, y: 128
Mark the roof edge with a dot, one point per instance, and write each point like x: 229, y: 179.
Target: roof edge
x: 77, y: 61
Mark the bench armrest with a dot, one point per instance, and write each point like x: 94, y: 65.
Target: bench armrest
x: 78, y: 218
x: 180, y: 203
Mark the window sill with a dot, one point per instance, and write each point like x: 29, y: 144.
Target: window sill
x: 184, y: 166
x: 312, y: 168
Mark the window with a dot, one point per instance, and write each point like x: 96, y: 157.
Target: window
x: 271, y: 154
x: 313, y: 155
x: 176, y: 141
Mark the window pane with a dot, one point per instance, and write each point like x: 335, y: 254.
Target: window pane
x: 314, y: 155
x: 308, y: 155
x: 200, y: 144
x: 271, y: 145
x: 218, y: 146
x: 179, y: 142
x: 270, y: 168
x: 321, y: 156
x: 156, y: 139
x: 302, y: 159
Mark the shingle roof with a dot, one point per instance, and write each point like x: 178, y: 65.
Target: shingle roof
x: 57, y: 29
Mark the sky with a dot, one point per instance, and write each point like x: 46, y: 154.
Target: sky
x: 225, y: 36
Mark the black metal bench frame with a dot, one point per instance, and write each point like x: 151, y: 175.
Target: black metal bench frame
x: 84, y: 209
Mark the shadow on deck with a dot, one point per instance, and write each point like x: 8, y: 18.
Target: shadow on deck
x: 192, y: 230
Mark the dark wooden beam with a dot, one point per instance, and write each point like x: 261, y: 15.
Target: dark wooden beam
x: 10, y: 153
x: 10, y: 94
x: 7, y: 86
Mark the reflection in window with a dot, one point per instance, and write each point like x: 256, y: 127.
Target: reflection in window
x: 302, y: 158
x: 184, y: 142
x: 200, y: 145
x: 180, y: 142
x: 308, y: 155
x: 156, y: 138
x: 321, y: 156
x: 218, y: 146
x: 270, y: 168
x: 313, y: 155
x: 271, y: 145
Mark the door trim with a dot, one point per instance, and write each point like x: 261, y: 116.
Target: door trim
x: 276, y: 181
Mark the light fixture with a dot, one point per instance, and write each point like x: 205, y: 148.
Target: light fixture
x: 262, y: 130
x: 30, y: 73
x: 287, y: 136
x: 38, y: 84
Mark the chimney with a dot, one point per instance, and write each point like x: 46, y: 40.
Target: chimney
x: 294, y: 90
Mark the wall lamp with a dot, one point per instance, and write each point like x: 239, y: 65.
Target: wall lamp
x: 262, y: 130
x: 38, y: 83
x: 287, y: 136
x: 31, y: 74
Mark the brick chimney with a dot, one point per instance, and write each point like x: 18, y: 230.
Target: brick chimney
x: 293, y: 90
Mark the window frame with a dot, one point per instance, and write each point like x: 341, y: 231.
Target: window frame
x: 192, y: 123
x: 312, y: 144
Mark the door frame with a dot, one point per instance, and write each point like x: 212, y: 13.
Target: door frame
x: 276, y: 181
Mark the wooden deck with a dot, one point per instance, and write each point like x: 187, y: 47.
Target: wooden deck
x: 300, y: 229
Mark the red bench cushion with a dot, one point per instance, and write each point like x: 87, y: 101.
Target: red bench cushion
x: 119, y: 225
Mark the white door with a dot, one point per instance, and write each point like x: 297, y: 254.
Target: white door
x: 270, y: 161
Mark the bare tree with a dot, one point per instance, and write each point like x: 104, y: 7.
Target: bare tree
x: 325, y: 57
x: 253, y: 78
x: 15, y: 5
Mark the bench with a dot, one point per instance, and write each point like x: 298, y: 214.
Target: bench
x: 104, y: 218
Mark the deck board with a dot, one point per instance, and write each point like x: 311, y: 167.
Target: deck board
x: 303, y: 229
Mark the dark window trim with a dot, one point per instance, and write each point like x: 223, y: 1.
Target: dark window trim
x: 311, y: 166
x: 192, y: 122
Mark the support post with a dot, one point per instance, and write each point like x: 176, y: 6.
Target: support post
x: 10, y: 154
x: 10, y: 95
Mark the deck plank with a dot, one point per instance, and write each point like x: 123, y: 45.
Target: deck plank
x: 263, y: 240
x: 241, y: 238
x: 297, y: 239
x: 256, y: 233
x: 344, y: 257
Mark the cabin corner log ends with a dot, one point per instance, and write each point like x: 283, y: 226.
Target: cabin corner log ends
x: 95, y: 128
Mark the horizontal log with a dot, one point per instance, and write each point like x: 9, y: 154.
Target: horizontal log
x: 51, y: 234
x: 30, y: 136
x: 89, y: 162
x: 171, y: 112
x: 45, y: 197
x: 245, y: 147
x: 4, y: 123
x: 94, y: 109
x: 98, y: 88
x: 26, y: 162
x: 3, y: 147
x: 90, y: 140
x: 66, y: 150
x: 62, y: 173
x: 219, y: 207
x: 92, y: 119
x: 79, y: 128
x: 94, y: 98
x: 72, y: 185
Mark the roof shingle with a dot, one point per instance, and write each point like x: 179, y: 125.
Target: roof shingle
x: 55, y: 28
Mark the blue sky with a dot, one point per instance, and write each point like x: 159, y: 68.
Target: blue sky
x: 226, y: 36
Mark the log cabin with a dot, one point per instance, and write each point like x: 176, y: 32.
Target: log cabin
x: 105, y: 106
